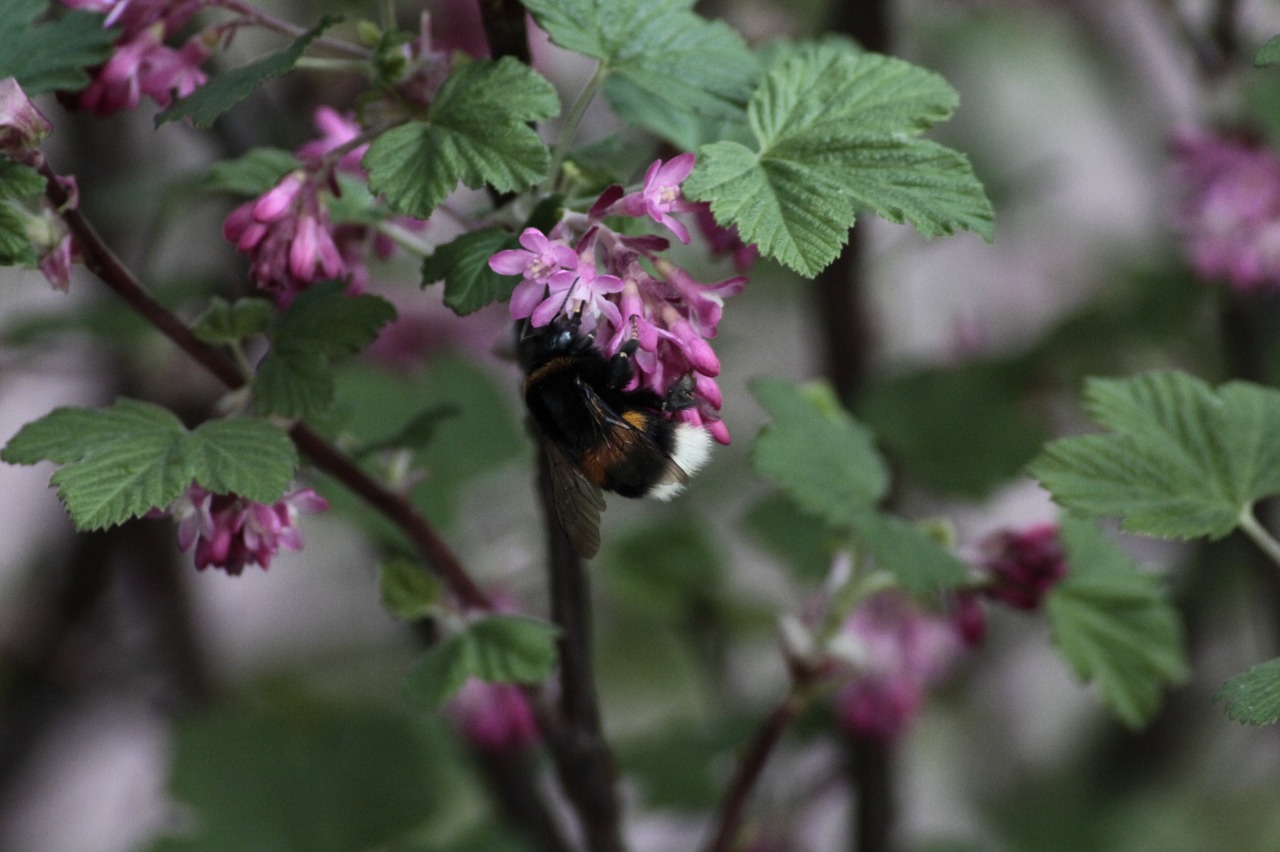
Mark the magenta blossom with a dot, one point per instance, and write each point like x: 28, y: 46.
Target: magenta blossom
x: 288, y: 236
x: 660, y: 196
x: 336, y: 129
x: 535, y: 264
x: 494, y: 717
x: 230, y: 532
x: 1229, y: 210
x: 1023, y: 565
x: 22, y: 126
x: 901, y: 650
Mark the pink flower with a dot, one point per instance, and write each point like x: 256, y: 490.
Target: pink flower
x: 144, y: 65
x: 494, y: 717
x: 1229, y: 211
x: 535, y: 264
x: 336, y: 129
x: 901, y: 651
x: 22, y: 126
x: 1024, y: 565
x: 661, y: 194
x: 724, y: 241
x: 288, y: 237
x: 230, y: 532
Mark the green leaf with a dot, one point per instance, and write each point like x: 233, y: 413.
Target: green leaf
x: 231, y: 322
x: 224, y: 91
x: 122, y: 461
x: 295, y: 379
x: 1180, y: 460
x: 242, y: 455
x: 417, y: 434
x: 476, y: 132
x: 1269, y: 53
x: 664, y: 65
x: 440, y: 672
x: 408, y: 592
x: 1253, y: 697
x: 513, y: 648
x: 1114, y: 626
x: 835, y: 132
x: 803, y: 541
x: 253, y: 174
x: 18, y: 181
x: 496, y: 649
x: 52, y: 54
x: 15, y: 243
x: 821, y: 457
x: 909, y: 552
x: 463, y: 265
x: 963, y: 429
x: 320, y: 778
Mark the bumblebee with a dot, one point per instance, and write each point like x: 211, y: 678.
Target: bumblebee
x: 600, y: 435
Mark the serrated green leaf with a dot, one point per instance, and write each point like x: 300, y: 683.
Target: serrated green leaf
x: 476, y: 132
x: 253, y: 174
x: 1269, y: 53
x: 513, y: 648
x: 821, y: 457
x: 440, y: 672
x: 1180, y: 460
x: 19, y: 181
x: 1114, y: 626
x: 15, y: 243
x: 407, y: 591
x: 463, y: 265
x: 906, y: 550
x: 242, y: 455
x: 1253, y: 697
x: 230, y: 322
x: 295, y: 379
x: 224, y: 91
x: 664, y: 65
x: 54, y: 53
x: 806, y: 543
x: 122, y: 461
x: 834, y: 130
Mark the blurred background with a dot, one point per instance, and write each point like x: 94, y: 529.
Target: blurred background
x: 141, y: 700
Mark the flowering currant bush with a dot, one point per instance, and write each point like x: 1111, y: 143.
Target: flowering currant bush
x: 430, y: 192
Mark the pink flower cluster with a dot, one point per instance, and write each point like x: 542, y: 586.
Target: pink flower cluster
x: 1023, y: 565
x: 1229, y: 208
x: 586, y: 269
x: 903, y: 650
x: 230, y: 532
x: 142, y: 63
x: 287, y: 232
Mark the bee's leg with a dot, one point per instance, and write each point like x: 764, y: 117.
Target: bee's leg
x: 621, y: 371
x: 679, y: 395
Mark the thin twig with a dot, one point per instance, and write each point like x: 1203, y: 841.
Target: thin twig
x: 101, y: 261
x: 749, y: 769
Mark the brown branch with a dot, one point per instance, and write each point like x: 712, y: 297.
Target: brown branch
x: 749, y: 770
x: 102, y: 262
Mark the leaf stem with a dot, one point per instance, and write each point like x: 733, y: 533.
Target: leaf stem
x: 1259, y: 535
x: 570, y: 127
x: 267, y: 21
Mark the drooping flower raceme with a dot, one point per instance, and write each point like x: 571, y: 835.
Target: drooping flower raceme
x: 230, y: 532
x: 1229, y: 208
x: 622, y: 288
x: 142, y: 63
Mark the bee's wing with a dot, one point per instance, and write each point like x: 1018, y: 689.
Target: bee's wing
x: 631, y: 450
x: 578, y: 502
